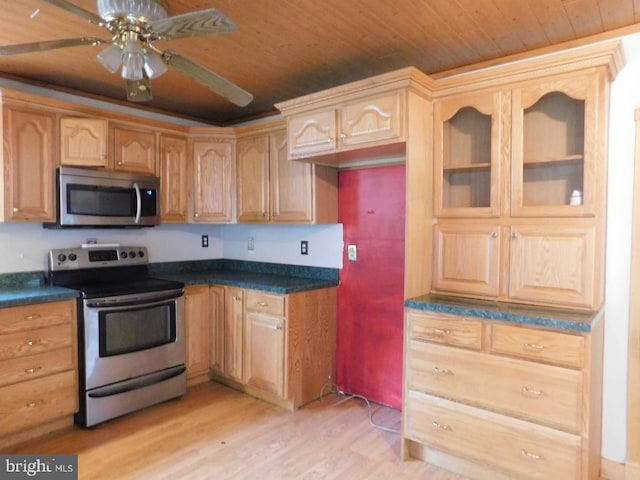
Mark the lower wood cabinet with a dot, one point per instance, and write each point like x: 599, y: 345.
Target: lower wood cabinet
x: 277, y: 347
x: 38, y: 367
x: 497, y: 400
x: 197, y: 313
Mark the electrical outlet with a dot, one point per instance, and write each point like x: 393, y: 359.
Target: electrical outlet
x: 304, y: 247
x: 352, y: 253
x: 251, y: 244
x: 205, y: 241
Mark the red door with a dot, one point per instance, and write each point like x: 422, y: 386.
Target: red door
x: 371, y: 295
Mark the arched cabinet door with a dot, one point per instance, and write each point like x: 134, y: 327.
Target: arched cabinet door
x: 468, y: 136
x: 556, y: 147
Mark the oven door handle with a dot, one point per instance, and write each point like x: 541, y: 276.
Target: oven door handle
x: 136, y: 383
x: 138, y: 203
x: 146, y: 300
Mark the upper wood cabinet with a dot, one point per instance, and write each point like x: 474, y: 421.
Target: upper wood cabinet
x: 519, y: 196
x: 273, y: 189
x: 174, y: 180
x: 373, y: 119
x: 29, y: 159
x: 134, y: 150
x: 212, y: 174
x: 83, y: 141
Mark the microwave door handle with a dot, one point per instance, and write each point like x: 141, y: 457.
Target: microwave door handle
x: 138, y: 203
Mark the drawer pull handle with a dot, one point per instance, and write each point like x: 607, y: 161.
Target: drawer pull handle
x: 441, y: 371
x: 33, y: 316
x: 440, y: 426
x: 529, y: 455
x: 263, y: 304
x: 31, y: 370
x: 533, y: 347
x: 530, y: 392
x: 34, y: 404
x: 31, y: 343
x: 441, y: 331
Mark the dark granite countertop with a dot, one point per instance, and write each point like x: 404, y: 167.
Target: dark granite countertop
x: 560, y: 319
x: 29, y: 287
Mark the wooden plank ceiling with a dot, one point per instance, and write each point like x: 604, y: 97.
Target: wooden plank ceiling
x: 285, y: 49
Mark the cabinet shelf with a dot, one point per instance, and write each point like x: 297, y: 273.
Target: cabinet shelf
x: 469, y: 167
x: 554, y: 160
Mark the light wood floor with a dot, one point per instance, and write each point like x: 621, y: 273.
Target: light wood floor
x: 216, y: 433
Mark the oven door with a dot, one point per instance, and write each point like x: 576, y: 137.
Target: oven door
x: 128, y: 336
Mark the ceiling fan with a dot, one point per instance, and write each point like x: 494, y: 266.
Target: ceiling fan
x: 134, y: 26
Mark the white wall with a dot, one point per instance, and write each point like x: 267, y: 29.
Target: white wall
x: 625, y: 98
x: 24, y: 247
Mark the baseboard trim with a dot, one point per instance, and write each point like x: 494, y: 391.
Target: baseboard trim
x: 611, y: 470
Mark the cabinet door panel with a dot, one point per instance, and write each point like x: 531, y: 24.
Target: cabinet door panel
x: 217, y: 330
x: 553, y: 264
x: 371, y: 120
x: 83, y: 141
x: 234, y: 332
x: 174, y: 207
x: 135, y: 150
x: 30, y: 143
x: 196, y: 312
x: 253, y: 179
x: 311, y: 133
x: 264, y: 352
x: 555, y: 147
x: 467, y: 258
x: 291, y: 185
x: 213, y: 179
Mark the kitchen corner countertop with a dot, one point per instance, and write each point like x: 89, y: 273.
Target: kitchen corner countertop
x: 30, y: 287
x: 257, y: 281
x: 559, y: 319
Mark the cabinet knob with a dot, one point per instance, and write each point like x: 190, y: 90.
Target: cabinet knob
x: 342, y: 135
x: 31, y: 343
x: 237, y: 298
x: 196, y: 214
x: 494, y: 234
x: 120, y: 163
x: 514, y: 235
x: 16, y: 209
x: 329, y: 140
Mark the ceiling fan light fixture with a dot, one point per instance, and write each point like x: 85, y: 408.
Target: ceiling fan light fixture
x: 111, y: 58
x: 147, y: 10
x: 153, y: 65
x: 132, y: 61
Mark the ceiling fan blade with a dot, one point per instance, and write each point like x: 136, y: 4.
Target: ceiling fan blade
x: 139, y: 90
x: 81, y: 12
x: 203, y: 22
x: 48, y: 45
x: 209, y: 79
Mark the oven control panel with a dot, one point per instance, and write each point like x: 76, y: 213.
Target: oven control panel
x: 96, y: 256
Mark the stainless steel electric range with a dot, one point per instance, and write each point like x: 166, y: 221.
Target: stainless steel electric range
x: 131, y: 333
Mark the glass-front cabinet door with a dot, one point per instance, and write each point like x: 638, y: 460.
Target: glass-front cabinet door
x: 553, y: 133
x: 467, y: 142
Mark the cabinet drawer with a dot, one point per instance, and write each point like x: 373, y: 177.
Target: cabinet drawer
x: 35, y: 366
x: 262, y: 302
x: 38, y: 340
x: 447, y: 329
x: 542, y: 345
x: 30, y: 403
x: 13, y: 319
x: 543, y: 393
x: 522, y: 449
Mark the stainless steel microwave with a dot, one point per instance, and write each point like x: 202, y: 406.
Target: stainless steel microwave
x: 105, y: 199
